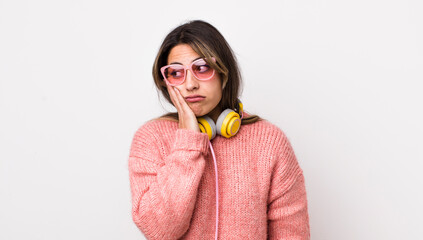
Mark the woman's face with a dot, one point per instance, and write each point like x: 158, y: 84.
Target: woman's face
x: 210, y: 89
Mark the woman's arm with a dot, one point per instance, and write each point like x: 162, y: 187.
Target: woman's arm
x: 287, y: 206
x: 164, y: 191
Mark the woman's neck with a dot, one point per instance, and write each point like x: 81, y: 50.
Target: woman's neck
x: 214, y: 114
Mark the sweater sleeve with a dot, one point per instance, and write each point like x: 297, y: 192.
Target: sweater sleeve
x: 164, y: 189
x: 287, y: 205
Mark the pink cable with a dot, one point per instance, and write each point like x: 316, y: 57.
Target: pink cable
x: 217, y: 190
x: 217, y: 184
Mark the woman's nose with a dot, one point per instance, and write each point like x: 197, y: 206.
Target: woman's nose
x: 191, y: 81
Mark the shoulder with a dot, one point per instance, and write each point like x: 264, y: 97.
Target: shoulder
x: 267, y: 136
x: 154, y: 126
x: 152, y: 134
x: 276, y: 143
x: 264, y: 129
x: 155, y: 130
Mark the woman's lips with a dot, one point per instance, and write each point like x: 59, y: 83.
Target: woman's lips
x: 194, y: 99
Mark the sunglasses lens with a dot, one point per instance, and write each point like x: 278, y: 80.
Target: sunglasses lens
x: 202, y: 70
x: 174, y: 74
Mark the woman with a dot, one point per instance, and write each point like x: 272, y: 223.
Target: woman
x: 211, y: 170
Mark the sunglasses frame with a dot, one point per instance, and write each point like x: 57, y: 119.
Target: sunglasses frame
x: 162, y: 70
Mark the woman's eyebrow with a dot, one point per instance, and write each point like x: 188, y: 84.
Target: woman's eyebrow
x: 182, y: 64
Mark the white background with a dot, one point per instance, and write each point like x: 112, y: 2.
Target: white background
x: 343, y: 80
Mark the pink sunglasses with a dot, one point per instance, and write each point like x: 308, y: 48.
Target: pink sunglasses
x: 175, y: 74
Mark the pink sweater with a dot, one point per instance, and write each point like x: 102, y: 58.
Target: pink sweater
x: 261, y: 185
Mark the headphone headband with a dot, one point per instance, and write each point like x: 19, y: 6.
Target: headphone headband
x: 239, y: 108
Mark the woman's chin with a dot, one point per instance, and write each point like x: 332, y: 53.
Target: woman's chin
x: 199, y: 114
x: 197, y: 111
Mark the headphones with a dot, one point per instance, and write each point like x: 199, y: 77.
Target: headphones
x: 227, y: 125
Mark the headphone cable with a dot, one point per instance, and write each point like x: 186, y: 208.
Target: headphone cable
x: 217, y: 190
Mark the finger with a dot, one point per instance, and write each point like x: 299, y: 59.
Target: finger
x: 187, y: 118
x: 177, y: 104
x: 177, y: 98
x: 182, y: 102
x: 173, y: 97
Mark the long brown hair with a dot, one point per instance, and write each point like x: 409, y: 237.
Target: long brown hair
x: 207, y: 42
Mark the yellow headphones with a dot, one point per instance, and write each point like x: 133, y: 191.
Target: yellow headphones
x: 228, y: 123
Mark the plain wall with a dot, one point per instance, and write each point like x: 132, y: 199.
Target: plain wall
x: 343, y: 80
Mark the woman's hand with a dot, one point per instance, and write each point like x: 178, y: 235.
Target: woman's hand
x: 187, y: 118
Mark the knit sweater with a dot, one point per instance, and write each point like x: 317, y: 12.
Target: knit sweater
x: 261, y: 186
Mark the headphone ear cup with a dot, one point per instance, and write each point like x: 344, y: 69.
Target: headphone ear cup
x: 228, y: 123
x: 207, y: 125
